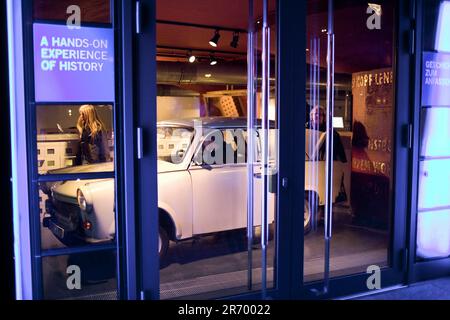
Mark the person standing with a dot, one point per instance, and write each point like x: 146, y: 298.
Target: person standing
x: 318, y: 121
x: 93, y: 144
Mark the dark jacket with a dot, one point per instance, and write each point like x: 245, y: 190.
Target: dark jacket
x: 91, y: 150
x: 338, y: 147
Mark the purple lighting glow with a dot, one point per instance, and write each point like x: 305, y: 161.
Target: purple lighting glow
x: 73, y: 65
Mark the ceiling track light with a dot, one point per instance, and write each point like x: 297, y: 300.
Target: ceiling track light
x: 191, y: 57
x: 212, y: 60
x: 235, y: 42
x: 215, y: 39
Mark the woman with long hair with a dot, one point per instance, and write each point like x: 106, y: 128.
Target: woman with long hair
x: 93, y: 147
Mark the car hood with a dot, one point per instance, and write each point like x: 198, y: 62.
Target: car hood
x: 68, y: 189
x: 163, y: 166
x: 97, y: 167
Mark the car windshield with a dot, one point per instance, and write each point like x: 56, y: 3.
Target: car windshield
x: 173, y: 143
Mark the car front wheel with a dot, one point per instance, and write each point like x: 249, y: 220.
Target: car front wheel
x: 307, y: 213
x: 163, y: 243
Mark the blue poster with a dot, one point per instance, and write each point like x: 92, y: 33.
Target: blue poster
x: 436, y: 79
x: 73, y: 65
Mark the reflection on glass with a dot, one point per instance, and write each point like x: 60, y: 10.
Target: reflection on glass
x: 362, y: 138
x: 74, y: 135
x: 173, y: 143
x: 77, y: 212
x: 86, y: 276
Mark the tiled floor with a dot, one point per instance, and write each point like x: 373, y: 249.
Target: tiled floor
x: 220, y: 262
x: 438, y: 289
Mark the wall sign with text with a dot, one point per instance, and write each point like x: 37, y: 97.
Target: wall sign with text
x: 73, y: 65
x: 436, y: 79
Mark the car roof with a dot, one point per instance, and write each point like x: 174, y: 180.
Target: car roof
x: 211, y: 122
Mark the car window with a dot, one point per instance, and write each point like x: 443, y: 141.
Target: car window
x: 338, y: 149
x: 222, y: 146
x: 229, y: 146
x: 272, y: 145
x: 173, y: 143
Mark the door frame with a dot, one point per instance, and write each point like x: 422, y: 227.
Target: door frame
x: 25, y: 177
x: 143, y: 29
x: 398, y: 258
x: 433, y: 268
x: 351, y: 284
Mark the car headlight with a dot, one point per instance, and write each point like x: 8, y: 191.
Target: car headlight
x: 81, y: 200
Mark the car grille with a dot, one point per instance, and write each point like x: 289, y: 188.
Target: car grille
x: 67, y: 215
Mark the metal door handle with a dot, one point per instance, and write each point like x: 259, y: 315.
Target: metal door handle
x: 140, y: 143
x: 138, y: 17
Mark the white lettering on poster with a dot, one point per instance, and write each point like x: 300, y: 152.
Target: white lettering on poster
x: 433, y: 74
x: 73, y: 54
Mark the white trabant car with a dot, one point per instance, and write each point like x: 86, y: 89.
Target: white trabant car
x: 202, y: 178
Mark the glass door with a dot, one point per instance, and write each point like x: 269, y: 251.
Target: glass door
x: 216, y: 137
x: 352, y: 226
x: 209, y: 132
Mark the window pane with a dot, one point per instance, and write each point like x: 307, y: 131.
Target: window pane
x: 434, y: 176
x: 433, y: 224
x: 433, y: 238
x: 435, y: 133
x: 77, y: 213
x: 85, y: 276
x: 68, y: 143
x: 203, y: 196
x: 363, y: 129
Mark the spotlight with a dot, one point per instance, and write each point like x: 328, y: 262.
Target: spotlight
x: 215, y: 39
x: 212, y: 60
x: 208, y: 75
x: 191, y: 57
x: 234, y: 43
